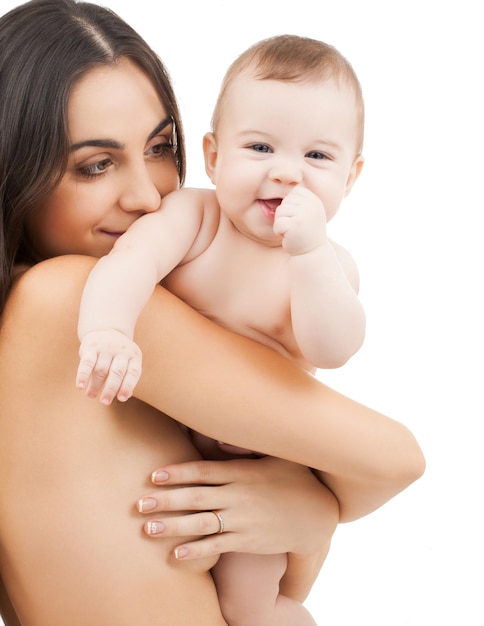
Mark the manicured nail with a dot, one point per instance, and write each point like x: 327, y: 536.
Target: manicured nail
x: 159, y: 476
x: 147, y: 504
x: 154, y: 528
x: 181, y: 553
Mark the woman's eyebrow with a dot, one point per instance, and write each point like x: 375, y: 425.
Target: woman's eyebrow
x: 161, y: 126
x: 116, y: 145
x: 97, y: 143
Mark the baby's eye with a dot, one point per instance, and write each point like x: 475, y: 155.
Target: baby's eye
x: 261, y: 147
x: 95, y: 169
x: 317, y: 155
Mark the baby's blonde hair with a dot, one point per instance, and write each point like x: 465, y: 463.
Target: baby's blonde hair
x: 291, y: 58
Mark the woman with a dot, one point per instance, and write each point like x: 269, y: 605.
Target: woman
x: 91, y: 140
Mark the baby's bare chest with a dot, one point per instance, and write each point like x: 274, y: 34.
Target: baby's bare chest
x: 241, y: 285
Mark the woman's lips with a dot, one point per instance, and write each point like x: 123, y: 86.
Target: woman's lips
x: 113, y: 234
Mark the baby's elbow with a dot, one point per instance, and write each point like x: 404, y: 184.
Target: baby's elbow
x: 411, y: 465
x: 340, y: 354
x: 328, y: 359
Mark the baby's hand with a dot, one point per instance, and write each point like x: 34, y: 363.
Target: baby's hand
x: 110, y: 363
x: 301, y: 220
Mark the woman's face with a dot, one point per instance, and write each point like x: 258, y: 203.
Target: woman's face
x: 121, y: 164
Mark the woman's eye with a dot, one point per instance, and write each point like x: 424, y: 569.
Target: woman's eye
x: 95, y: 169
x: 260, y: 147
x: 317, y: 155
x: 162, y: 150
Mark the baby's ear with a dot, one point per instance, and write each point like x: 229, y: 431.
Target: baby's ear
x: 210, y: 153
x: 354, y: 173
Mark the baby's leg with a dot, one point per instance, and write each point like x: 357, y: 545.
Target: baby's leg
x: 248, y: 591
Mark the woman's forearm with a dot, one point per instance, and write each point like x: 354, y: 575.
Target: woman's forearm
x: 235, y: 390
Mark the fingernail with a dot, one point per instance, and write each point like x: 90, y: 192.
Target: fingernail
x: 159, y: 476
x: 147, y: 504
x: 181, y: 553
x: 154, y: 528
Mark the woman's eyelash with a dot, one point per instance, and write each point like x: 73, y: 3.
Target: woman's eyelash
x: 163, y: 149
x: 89, y: 171
x: 95, y: 170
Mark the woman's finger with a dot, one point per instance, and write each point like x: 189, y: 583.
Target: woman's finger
x: 201, y: 524
x: 200, y: 472
x: 201, y: 498
x: 210, y: 546
x: 252, y: 496
x: 217, y: 536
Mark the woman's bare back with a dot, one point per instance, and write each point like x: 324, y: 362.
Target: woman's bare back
x: 72, y: 548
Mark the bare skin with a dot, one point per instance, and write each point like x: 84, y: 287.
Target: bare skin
x: 82, y: 490
x: 55, y: 490
x: 254, y: 254
x: 75, y: 481
x: 52, y: 517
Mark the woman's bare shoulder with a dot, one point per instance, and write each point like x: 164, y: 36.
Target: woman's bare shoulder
x: 63, y: 270
x: 48, y: 285
x: 42, y: 307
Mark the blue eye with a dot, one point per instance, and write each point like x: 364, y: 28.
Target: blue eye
x: 261, y: 147
x: 317, y: 155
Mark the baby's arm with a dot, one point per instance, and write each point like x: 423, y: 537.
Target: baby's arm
x: 120, y: 285
x: 327, y: 317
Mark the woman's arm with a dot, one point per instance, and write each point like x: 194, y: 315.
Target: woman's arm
x: 235, y: 390
x: 248, y: 395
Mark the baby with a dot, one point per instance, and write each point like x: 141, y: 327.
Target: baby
x: 252, y: 254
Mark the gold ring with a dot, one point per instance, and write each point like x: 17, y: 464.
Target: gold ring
x: 221, y: 522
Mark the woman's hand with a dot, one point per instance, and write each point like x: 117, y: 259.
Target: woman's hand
x: 267, y: 505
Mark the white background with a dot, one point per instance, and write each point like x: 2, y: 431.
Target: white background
x: 413, y: 223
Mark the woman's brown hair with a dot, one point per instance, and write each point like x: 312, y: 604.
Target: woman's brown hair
x: 46, y: 46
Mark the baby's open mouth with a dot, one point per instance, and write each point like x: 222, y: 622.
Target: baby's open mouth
x: 270, y: 205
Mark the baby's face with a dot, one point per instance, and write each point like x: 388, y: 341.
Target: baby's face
x: 274, y: 135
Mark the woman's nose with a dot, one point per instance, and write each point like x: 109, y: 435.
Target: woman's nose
x: 139, y: 192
